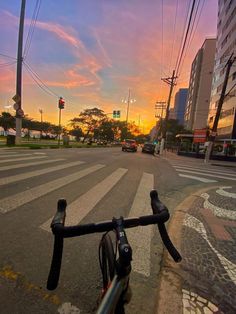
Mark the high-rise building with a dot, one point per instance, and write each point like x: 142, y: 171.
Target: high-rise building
x: 199, y: 91
x: 180, y: 104
x: 225, y: 47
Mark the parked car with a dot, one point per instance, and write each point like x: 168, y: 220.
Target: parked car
x: 129, y: 145
x: 148, y: 148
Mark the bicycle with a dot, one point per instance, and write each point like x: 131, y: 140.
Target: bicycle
x: 115, y: 270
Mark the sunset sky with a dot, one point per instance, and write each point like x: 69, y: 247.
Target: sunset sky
x: 92, y: 51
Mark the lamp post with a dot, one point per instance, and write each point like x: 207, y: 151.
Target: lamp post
x: 127, y: 101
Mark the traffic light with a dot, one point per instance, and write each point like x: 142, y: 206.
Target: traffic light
x: 61, y: 103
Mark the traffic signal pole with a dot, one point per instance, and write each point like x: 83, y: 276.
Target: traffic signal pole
x: 19, y: 74
x: 127, y: 115
x: 170, y: 81
x: 219, y: 107
x: 59, y: 128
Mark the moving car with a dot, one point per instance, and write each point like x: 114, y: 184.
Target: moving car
x: 148, y: 148
x: 129, y: 145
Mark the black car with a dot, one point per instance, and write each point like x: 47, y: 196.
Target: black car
x: 148, y: 148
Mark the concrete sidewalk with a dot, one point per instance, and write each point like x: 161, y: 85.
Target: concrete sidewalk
x: 203, y: 228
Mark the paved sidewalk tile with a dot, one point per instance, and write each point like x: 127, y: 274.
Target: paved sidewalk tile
x: 205, y: 280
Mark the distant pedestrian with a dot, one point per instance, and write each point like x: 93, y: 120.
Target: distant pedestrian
x: 157, y: 148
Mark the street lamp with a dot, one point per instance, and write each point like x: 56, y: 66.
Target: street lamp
x: 128, y: 101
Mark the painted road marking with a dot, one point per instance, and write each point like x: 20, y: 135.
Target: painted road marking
x: 78, y: 209
x: 206, y: 174
x: 29, y: 164
x: 196, y: 178
x: 31, y: 174
x: 221, y: 191
x: 15, y: 155
x: 19, y: 159
x: 210, y: 171
x: 9, y: 203
x: 140, y: 238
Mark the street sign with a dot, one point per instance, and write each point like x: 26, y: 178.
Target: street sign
x: 16, y: 106
x: 16, y: 98
x: 199, y: 136
x: 20, y: 112
x: 116, y: 114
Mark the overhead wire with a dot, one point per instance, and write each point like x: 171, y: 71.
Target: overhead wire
x: 7, y: 64
x: 185, y: 37
x: 193, y: 31
x: 174, y: 35
x: 31, y: 28
x: 6, y: 56
x: 38, y: 81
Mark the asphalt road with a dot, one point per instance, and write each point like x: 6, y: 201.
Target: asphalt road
x: 98, y: 184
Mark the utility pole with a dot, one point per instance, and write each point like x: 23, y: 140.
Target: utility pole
x: 219, y: 107
x: 41, y: 114
x: 170, y: 81
x: 160, y: 105
x: 17, y: 97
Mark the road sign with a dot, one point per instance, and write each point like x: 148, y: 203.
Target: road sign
x: 16, y: 106
x: 199, y: 136
x: 16, y: 98
x: 116, y: 114
x: 20, y: 112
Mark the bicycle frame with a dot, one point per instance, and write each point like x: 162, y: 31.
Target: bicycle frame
x: 119, y: 284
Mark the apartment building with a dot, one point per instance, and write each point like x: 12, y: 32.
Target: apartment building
x: 199, y: 92
x: 180, y: 104
x: 225, y: 47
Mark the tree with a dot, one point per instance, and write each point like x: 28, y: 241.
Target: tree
x: 7, y: 121
x: 77, y: 132
x: 88, y: 120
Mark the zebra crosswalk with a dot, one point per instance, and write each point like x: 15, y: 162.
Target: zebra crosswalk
x: 198, y: 171
x: 82, y: 204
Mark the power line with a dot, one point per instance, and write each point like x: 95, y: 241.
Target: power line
x: 174, y: 35
x: 31, y: 28
x: 6, y: 56
x: 7, y: 64
x: 193, y: 30
x: 37, y: 79
x: 186, y: 36
x: 182, y: 38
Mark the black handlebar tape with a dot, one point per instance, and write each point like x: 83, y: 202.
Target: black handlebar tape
x: 59, y: 219
x: 157, y: 208
x: 168, y: 244
x: 54, y: 273
x: 157, y: 205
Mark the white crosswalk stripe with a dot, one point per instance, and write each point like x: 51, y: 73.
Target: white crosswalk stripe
x: 35, y: 173
x: 196, y: 178
x: 198, y: 171
x: 205, y: 174
x: 78, y: 209
x: 24, y: 165
x: 214, y: 171
x: 9, y: 203
x: 14, y: 155
x: 21, y: 158
x: 140, y: 238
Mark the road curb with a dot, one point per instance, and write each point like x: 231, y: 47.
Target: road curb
x: 170, y: 295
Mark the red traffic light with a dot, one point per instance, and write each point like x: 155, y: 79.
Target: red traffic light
x: 61, y: 103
